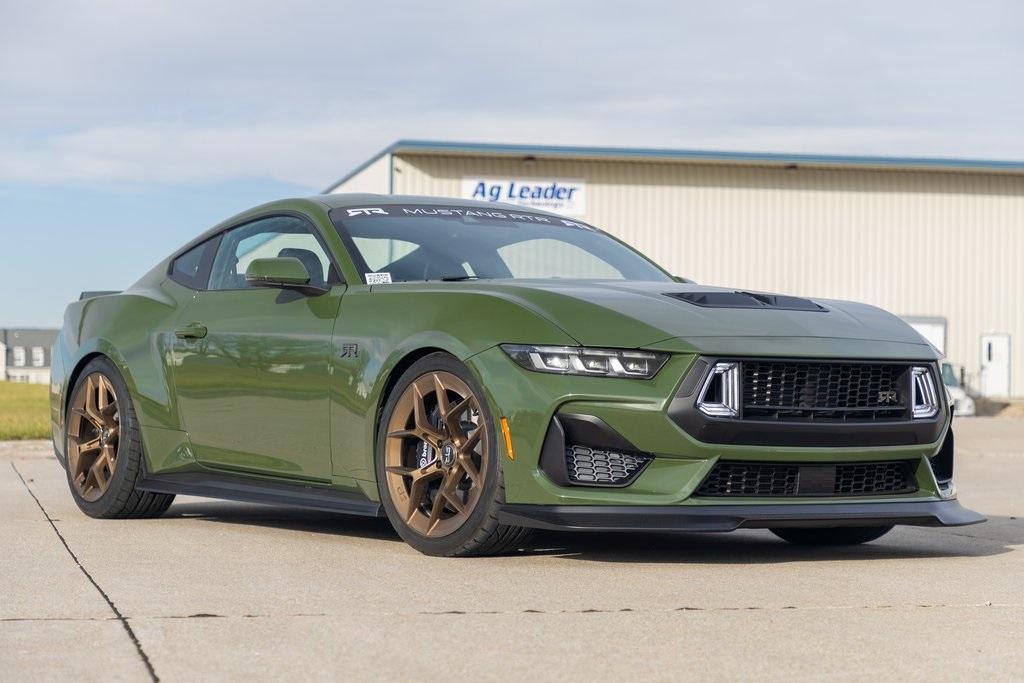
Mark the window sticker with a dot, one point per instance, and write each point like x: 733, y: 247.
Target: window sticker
x: 466, y: 213
x: 378, y: 278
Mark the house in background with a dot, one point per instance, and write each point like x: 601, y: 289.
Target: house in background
x: 25, y: 355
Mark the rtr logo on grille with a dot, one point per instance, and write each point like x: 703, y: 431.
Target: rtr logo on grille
x: 887, y: 397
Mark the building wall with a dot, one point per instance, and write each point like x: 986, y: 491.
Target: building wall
x: 925, y: 244
x: 25, y: 343
x: 28, y: 375
x: 373, y: 178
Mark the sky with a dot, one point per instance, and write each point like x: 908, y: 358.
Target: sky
x: 127, y: 128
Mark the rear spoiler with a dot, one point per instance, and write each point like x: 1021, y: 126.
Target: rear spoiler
x: 93, y: 295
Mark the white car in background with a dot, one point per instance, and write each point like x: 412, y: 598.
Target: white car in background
x: 963, y: 405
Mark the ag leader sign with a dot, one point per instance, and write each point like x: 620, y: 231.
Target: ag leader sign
x: 567, y: 196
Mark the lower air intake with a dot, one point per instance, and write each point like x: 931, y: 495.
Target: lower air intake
x: 596, y: 467
x: 750, y: 479
x: 782, y: 480
x: 860, y: 479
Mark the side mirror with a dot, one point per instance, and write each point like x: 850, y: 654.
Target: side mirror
x: 283, y: 272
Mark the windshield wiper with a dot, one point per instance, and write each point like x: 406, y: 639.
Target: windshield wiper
x: 458, y: 278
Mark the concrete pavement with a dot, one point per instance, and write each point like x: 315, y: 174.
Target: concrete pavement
x: 218, y: 590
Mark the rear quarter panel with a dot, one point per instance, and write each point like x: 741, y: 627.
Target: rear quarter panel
x: 134, y: 330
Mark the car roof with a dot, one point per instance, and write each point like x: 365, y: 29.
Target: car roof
x: 346, y: 200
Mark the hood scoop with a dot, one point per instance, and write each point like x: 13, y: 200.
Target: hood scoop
x: 755, y: 300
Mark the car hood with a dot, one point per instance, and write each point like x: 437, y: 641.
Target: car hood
x: 633, y: 315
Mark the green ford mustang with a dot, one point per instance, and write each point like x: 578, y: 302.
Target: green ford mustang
x: 473, y: 371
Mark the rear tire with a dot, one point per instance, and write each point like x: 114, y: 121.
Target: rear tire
x: 103, y: 448
x: 442, y: 499
x: 834, y: 536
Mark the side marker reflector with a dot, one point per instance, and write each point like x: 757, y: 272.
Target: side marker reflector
x: 508, y: 439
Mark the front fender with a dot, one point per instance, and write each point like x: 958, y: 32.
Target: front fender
x: 379, y: 328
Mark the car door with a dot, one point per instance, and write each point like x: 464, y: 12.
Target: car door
x: 251, y: 363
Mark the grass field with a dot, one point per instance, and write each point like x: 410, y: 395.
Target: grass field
x: 24, y: 411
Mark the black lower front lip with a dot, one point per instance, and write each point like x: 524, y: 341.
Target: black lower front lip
x: 731, y: 517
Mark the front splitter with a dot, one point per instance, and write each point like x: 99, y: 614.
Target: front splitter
x: 731, y: 517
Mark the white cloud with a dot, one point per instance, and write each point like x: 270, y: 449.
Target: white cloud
x: 195, y: 92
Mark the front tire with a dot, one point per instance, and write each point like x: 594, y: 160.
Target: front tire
x: 438, y: 469
x: 104, y: 447
x: 834, y: 536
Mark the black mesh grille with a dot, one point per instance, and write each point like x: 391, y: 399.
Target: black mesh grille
x: 780, y: 480
x: 783, y: 390
x: 599, y: 467
x: 750, y: 479
x: 858, y: 479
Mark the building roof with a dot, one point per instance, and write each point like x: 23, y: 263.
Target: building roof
x: 441, y: 148
x: 28, y: 337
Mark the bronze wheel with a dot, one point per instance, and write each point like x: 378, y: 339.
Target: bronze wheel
x: 94, y: 431
x: 435, y: 457
x: 103, y: 451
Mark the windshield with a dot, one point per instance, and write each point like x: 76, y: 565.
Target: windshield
x: 407, y: 243
x: 949, y: 376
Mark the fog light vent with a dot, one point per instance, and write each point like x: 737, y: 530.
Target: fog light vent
x: 596, y: 467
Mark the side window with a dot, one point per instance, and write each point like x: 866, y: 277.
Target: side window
x: 269, y: 238
x: 189, y: 269
x: 540, y: 257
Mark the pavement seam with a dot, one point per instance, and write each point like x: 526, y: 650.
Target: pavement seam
x: 110, y: 603
x: 622, y: 610
x: 819, y: 608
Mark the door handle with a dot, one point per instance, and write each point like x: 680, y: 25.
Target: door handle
x: 191, y: 331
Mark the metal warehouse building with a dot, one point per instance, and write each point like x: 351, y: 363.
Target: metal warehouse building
x: 937, y: 241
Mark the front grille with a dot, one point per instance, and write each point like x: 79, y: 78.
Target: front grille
x: 781, y: 480
x: 785, y: 390
x: 596, y: 467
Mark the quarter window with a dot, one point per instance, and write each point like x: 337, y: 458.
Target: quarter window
x: 190, y: 269
x: 280, y: 236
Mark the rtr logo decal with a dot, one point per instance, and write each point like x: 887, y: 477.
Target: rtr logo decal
x: 373, y: 211
x: 349, y: 350
x: 887, y: 397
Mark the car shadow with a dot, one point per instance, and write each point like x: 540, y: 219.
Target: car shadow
x: 748, y: 546
x: 277, y: 517
x: 760, y: 546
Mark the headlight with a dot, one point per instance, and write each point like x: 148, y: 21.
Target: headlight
x: 577, y: 360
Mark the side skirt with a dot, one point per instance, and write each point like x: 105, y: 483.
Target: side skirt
x: 252, y: 490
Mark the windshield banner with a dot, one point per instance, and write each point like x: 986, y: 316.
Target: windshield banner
x: 567, y: 196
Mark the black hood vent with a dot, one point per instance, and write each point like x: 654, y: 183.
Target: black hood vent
x: 747, y: 300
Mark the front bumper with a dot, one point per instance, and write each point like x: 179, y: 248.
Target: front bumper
x: 639, y: 414
x: 732, y: 517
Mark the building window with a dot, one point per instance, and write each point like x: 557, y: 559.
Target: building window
x: 19, y: 356
x: 38, y: 357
